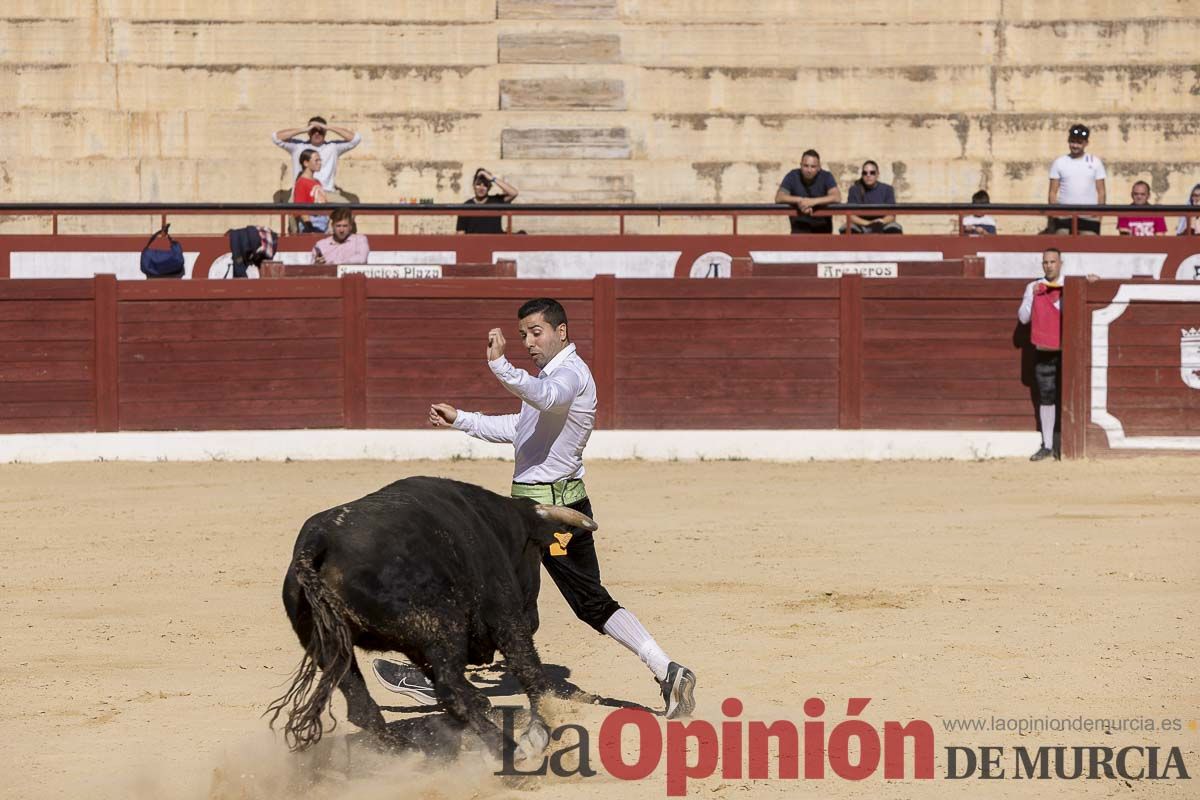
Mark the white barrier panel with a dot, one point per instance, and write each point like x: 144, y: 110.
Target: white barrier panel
x: 573, y: 264
x: 126, y: 266
x: 1110, y: 266
x: 842, y: 256
x: 393, y: 445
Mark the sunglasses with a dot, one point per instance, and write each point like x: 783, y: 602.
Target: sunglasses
x: 869, y: 172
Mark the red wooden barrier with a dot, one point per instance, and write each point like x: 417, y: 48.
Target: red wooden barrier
x: 48, y: 356
x: 917, y: 353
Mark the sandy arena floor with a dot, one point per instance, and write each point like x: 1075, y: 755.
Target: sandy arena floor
x: 142, y: 635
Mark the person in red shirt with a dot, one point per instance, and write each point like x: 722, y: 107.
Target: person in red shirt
x: 1141, y: 225
x: 308, y: 191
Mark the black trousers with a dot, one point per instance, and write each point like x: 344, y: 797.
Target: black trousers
x: 1045, y: 372
x: 1085, y: 225
x: 576, y: 573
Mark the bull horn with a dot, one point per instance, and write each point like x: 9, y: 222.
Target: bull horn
x: 567, y: 516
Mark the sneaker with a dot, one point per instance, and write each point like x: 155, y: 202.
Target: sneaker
x: 1043, y: 452
x: 404, y: 679
x: 677, y: 690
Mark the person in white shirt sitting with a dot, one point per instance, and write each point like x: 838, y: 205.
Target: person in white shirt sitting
x: 979, y: 224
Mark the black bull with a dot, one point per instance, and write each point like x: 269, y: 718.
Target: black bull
x: 446, y: 573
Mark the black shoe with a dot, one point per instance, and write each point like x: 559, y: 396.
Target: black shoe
x: 1057, y: 454
x: 404, y: 679
x: 677, y: 689
x: 1043, y: 452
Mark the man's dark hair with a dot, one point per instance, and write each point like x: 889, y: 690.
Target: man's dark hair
x: 1053, y: 250
x: 341, y: 214
x: 321, y: 120
x: 981, y: 197
x: 810, y: 152
x: 551, y: 311
x: 1140, y: 183
x: 306, y: 157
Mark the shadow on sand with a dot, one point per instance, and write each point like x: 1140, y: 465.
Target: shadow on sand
x: 435, y: 734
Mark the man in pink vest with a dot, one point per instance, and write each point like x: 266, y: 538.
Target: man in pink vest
x: 1041, y: 307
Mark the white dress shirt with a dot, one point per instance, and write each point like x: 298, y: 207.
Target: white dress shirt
x: 558, y: 412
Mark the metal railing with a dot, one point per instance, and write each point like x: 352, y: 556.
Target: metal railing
x: 734, y: 211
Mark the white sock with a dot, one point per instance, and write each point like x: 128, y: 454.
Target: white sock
x: 1047, y: 416
x: 625, y: 628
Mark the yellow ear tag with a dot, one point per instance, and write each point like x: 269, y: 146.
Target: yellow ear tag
x: 560, y: 548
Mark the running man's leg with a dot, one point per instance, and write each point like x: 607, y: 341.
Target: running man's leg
x: 575, y: 570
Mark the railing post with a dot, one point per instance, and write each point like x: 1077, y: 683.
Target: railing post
x: 1075, y: 371
x: 106, y: 371
x: 850, y: 351
x: 604, y: 343
x: 354, y: 351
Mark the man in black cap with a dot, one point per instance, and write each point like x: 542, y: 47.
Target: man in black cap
x: 1077, y: 179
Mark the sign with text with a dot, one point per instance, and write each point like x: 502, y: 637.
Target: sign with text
x: 391, y: 270
x: 868, y: 269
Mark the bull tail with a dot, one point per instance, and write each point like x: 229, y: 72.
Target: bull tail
x: 328, y: 655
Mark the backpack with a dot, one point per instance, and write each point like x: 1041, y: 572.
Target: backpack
x: 158, y: 263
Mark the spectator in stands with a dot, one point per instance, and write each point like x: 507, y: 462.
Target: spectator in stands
x: 482, y: 184
x: 807, y: 188
x: 344, y: 246
x: 1077, y: 179
x: 308, y: 191
x: 1141, y: 225
x: 318, y: 130
x: 869, y: 190
x: 1190, y: 225
x: 979, y: 225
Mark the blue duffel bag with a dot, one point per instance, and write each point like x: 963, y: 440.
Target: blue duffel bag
x: 159, y: 263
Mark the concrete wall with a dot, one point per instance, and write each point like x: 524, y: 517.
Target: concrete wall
x: 595, y: 100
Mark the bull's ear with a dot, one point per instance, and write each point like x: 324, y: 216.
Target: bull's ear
x: 567, y: 516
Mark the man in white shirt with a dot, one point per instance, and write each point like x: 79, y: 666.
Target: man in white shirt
x: 558, y: 413
x: 1077, y: 179
x: 318, y: 130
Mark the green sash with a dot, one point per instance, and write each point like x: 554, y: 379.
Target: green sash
x: 559, y: 493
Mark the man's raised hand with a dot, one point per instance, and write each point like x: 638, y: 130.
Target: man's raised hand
x: 495, y: 347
